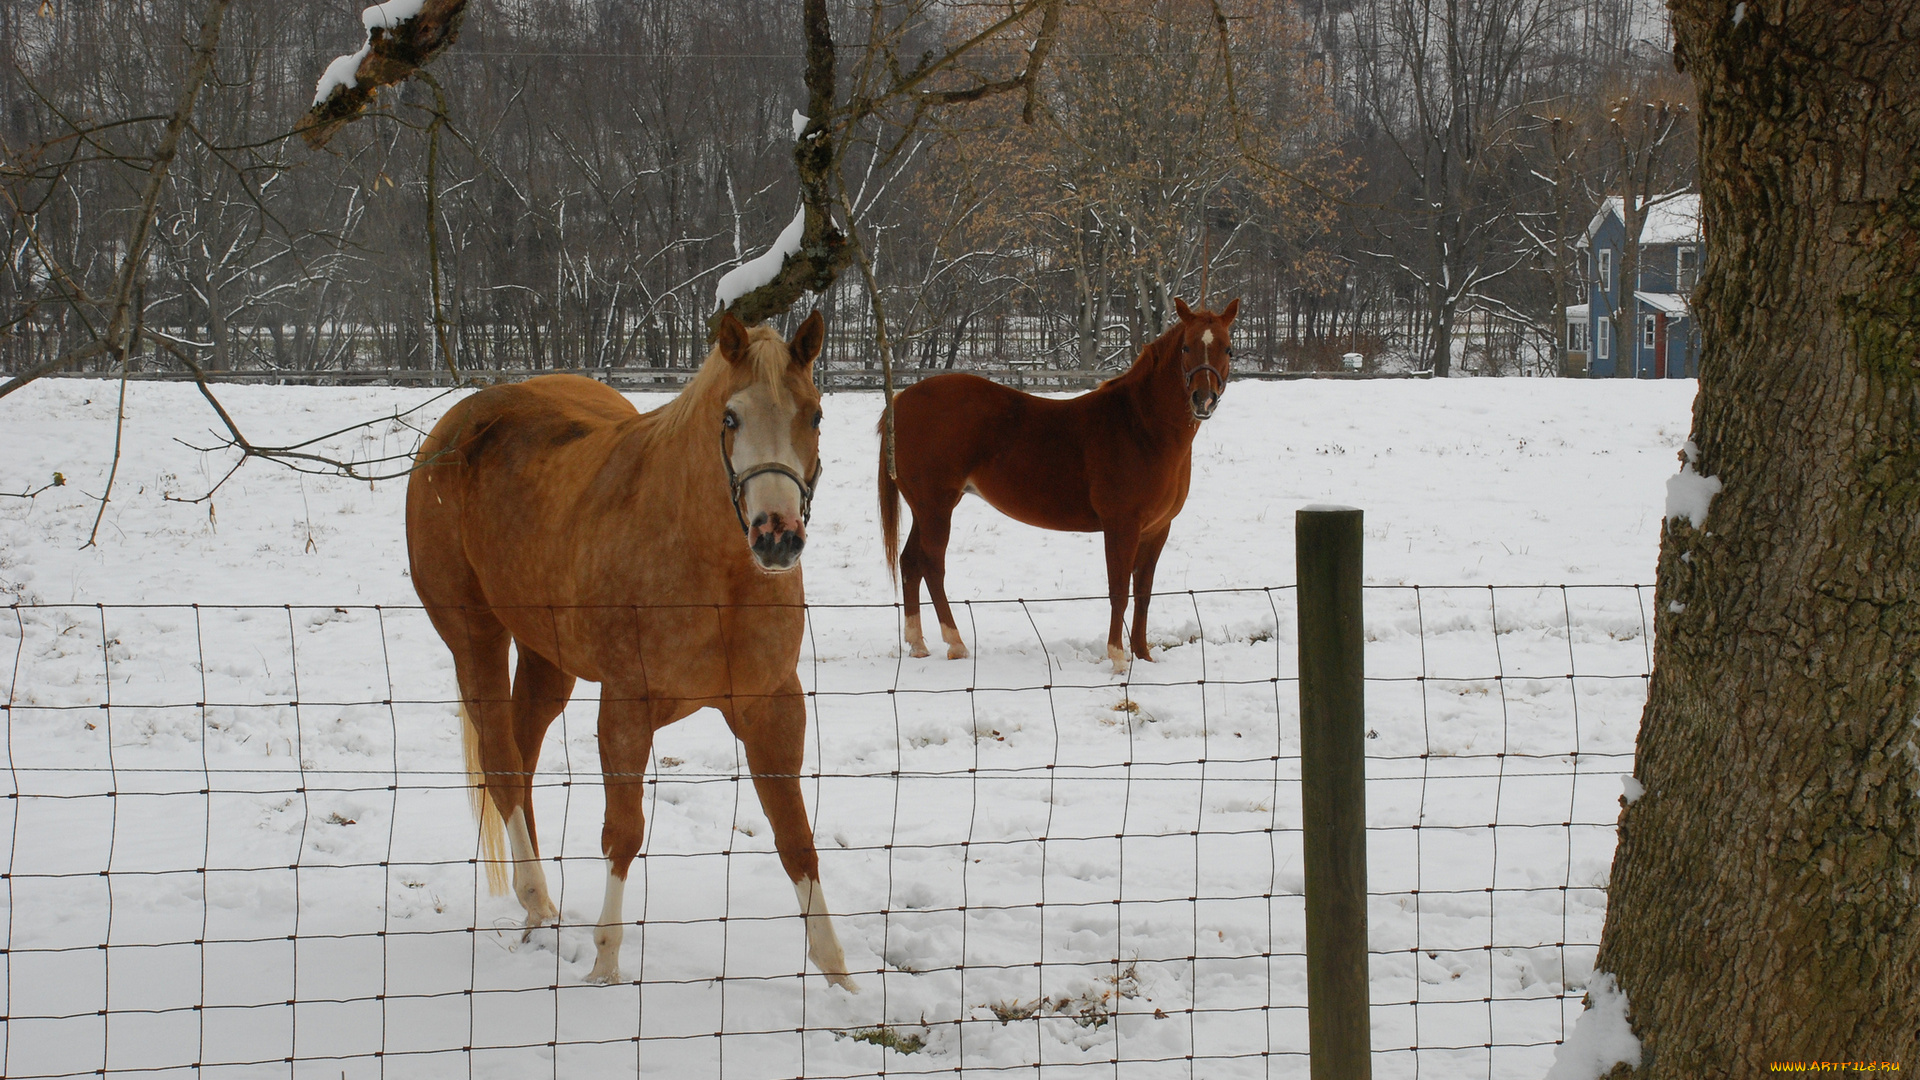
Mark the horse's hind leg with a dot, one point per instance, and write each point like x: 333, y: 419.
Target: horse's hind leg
x: 478, y: 643
x: 773, y: 730
x: 912, y: 569
x: 933, y: 532
x: 540, y: 691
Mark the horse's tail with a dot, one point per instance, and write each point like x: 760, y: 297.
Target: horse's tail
x: 493, y: 837
x: 889, y: 510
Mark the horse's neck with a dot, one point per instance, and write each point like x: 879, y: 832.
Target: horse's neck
x: 1158, y: 395
x: 685, y: 481
x: 677, y: 470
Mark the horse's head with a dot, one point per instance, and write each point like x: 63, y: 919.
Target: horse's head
x: 770, y: 435
x: 1205, y: 353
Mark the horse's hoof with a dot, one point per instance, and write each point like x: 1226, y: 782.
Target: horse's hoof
x: 956, y: 651
x: 605, y: 974
x: 919, y: 649
x: 844, y: 982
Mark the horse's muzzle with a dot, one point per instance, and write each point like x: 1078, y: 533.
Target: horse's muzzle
x: 777, y: 542
x: 1202, y: 403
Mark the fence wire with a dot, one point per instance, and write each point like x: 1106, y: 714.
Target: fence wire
x: 239, y: 844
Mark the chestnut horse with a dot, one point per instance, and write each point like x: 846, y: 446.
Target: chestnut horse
x: 655, y: 554
x: 1115, y: 460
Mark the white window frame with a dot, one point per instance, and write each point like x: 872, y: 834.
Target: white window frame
x: 1576, y: 336
x: 1604, y: 271
x: 1603, y: 346
x: 1650, y: 332
x: 1682, y: 282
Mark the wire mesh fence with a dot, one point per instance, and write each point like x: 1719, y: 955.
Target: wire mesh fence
x: 240, y: 845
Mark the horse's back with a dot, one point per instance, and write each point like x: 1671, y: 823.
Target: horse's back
x: 491, y: 476
x: 962, y: 412
x: 549, y: 409
x: 1026, y: 455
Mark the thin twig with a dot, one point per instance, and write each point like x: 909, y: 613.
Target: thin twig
x: 879, y: 323
x: 295, y: 456
x: 119, y: 429
x: 59, y: 480
x: 433, y: 218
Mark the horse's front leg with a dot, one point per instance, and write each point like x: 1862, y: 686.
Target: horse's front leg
x: 626, y: 743
x: 773, y: 730
x: 1123, y: 543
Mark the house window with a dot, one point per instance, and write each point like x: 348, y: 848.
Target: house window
x: 1604, y: 346
x: 1687, y: 270
x: 1605, y: 271
x: 1649, y: 332
x: 1576, y: 337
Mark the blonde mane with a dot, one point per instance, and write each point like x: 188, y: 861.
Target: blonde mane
x: 710, y: 387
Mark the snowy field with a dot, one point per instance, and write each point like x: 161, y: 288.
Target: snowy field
x: 239, y: 846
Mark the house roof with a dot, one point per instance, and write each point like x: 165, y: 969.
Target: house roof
x: 1664, y: 302
x: 1577, y: 311
x: 1670, y: 221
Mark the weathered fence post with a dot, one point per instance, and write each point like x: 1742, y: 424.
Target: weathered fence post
x: 1333, y: 793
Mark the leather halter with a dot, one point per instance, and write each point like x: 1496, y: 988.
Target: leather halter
x: 737, y: 483
x: 1220, y: 381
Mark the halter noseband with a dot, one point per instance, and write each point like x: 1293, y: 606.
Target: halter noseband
x: 737, y: 483
x: 1220, y: 381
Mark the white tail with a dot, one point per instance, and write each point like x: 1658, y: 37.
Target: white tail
x: 493, y: 835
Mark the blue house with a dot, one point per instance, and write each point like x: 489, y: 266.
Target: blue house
x: 1663, y: 341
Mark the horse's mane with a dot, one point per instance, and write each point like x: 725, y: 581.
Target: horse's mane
x: 706, y: 392
x: 1149, y: 359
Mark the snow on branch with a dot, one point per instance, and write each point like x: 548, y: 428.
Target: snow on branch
x: 765, y: 267
x: 402, y: 37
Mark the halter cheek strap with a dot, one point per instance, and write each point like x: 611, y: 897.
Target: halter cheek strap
x: 737, y: 483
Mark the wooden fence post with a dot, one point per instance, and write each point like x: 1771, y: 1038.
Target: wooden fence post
x: 1333, y: 779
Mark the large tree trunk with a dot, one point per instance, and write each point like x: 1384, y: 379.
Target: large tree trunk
x: 1765, y: 899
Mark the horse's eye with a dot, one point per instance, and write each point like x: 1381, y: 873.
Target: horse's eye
x: 1186, y: 348
x: 817, y: 417
x: 730, y: 421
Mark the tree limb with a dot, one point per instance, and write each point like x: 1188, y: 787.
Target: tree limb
x: 391, y: 55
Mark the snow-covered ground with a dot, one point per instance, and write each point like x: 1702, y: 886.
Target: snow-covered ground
x: 997, y: 832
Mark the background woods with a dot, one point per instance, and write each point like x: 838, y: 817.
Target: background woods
x: 1407, y: 180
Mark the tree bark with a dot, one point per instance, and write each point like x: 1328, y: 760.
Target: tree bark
x: 1765, y: 897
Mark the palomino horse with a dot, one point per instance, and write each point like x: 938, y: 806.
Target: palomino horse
x: 607, y: 545
x: 1116, y: 460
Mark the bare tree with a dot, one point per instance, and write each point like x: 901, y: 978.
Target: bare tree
x: 1643, y: 139
x: 1444, y: 82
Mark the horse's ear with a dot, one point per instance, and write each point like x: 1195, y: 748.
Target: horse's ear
x: 733, y: 338
x: 1180, y: 307
x: 808, y: 339
x: 1233, y: 308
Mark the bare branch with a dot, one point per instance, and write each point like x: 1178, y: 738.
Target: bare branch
x: 132, y: 264
x: 59, y: 480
